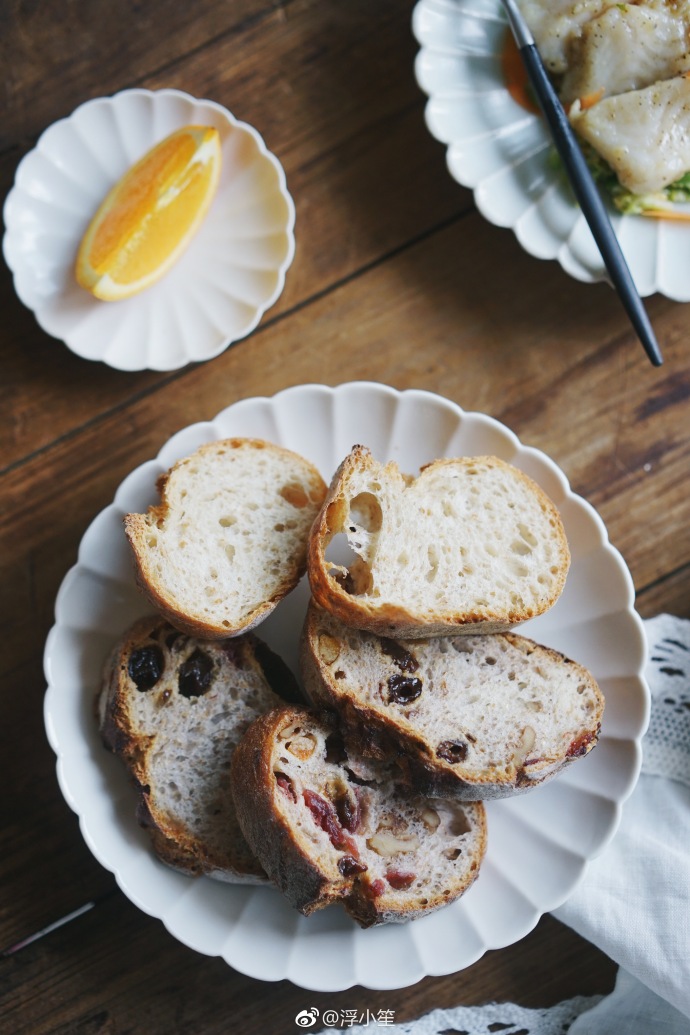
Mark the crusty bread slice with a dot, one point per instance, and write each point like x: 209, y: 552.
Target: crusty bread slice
x: 229, y: 537
x: 463, y: 716
x: 472, y: 544
x: 173, y: 710
x: 325, y: 835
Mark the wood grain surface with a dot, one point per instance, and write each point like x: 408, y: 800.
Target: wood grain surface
x: 396, y: 279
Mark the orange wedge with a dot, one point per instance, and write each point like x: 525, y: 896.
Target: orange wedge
x: 150, y: 215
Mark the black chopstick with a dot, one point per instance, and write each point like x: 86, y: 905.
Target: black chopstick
x: 583, y: 184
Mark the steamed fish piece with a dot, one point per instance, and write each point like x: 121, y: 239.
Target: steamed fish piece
x: 555, y: 24
x: 644, y: 135
x: 628, y: 47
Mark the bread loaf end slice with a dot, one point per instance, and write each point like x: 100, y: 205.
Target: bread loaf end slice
x: 325, y: 835
x: 471, y: 544
x: 173, y: 710
x: 228, y: 539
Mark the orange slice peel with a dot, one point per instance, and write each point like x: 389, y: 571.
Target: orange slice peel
x: 149, y: 217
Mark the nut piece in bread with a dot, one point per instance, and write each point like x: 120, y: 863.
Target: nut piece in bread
x: 325, y: 835
x: 472, y: 717
x: 229, y: 537
x: 470, y: 545
x: 173, y: 709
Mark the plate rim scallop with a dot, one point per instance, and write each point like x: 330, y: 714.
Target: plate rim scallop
x: 336, y: 971
x: 11, y: 215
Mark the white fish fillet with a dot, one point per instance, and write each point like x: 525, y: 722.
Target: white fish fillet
x: 555, y: 24
x: 644, y: 135
x: 627, y: 47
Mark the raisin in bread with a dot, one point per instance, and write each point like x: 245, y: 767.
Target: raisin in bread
x: 471, y: 544
x: 462, y: 716
x: 229, y: 537
x: 325, y: 835
x: 173, y: 710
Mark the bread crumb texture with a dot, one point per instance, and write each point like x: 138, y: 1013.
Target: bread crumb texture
x: 229, y: 537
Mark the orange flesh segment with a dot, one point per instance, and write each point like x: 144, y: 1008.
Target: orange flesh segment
x: 149, y: 214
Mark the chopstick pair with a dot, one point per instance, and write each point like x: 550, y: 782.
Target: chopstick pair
x: 582, y: 183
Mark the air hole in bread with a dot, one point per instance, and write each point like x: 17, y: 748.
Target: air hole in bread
x: 151, y: 541
x: 403, y: 560
x: 452, y: 853
x: 432, y: 557
x: 294, y: 494
x: 521, y: 570
x: 365, y: 512
x: 458, y: 823
x: 230, y: 553
x: 280, y: 527
x: 527, y: 535
x: 227, y: 521
x: 448, y: 509
x: 520, y: 548
x: 339, y: 553
x: 489, y: 660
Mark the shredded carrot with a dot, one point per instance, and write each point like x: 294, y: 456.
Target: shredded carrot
x: 590, y: 99
x: 515, y: 75
x: 665, y: 213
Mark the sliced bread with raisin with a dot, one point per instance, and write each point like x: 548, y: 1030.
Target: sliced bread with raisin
x: 173, y: 710
x: 325, y: 835
x: 229, y: 537
x: 462, y: 716
x: 470, y: 545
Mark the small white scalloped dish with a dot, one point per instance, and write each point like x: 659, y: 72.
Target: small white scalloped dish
x: 504, y: 154
x: 538, y: 843
x: 232, y: 271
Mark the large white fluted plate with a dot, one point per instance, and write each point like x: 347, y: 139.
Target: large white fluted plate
x: 538, y: 843
x: 504, y: 153
x: 216, y: 293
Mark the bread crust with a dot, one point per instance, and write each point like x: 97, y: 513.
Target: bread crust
x: 374, y: 732
x: 138, y: 528
x: 246, y: 663
x: 396, y: 617
x: 301, y: 869
x: 304, y: 883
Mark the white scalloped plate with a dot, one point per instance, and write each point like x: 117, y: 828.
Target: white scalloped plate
x: 538, y: 844
x: 502, y: 152
x: 216, y: 293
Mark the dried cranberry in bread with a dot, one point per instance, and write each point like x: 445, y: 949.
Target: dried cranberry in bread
x: 173, y: 710
x: 470, y: 545
x: 324, y: 834
x: 462, y: 716
x: 229, y: 537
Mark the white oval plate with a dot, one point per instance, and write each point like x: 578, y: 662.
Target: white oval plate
x: 503, y: 153
x: 216, y: 293
x: 538, y: 844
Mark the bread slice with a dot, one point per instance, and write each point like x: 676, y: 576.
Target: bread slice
x: 229, y: 537
x: 325, y: 835
x: 472, y: 544
x: 461, y: 716
x: 173, y: 710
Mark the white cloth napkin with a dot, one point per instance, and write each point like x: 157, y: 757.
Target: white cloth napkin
x: 634, y: 901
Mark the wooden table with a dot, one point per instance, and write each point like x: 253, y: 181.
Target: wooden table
x: 396, y: 279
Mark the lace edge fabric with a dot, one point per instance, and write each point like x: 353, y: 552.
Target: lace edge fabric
x: 493, y: 1018
x: 666, y: 744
